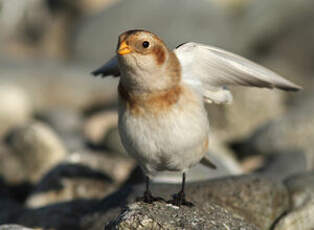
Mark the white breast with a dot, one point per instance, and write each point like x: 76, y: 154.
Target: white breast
x: 173, y: 140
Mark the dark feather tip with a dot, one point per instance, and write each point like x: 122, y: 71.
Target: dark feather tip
x: 181, y: 44
x: 95, y: 73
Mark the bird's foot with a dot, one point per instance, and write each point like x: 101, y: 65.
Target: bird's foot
x: 148, y: 198
x: 179, y: 199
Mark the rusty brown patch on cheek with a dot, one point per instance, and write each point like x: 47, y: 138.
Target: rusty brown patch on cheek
x: 159, y: 54
x: 152, y: 104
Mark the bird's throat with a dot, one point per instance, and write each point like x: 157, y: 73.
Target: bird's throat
x: 152, y: 102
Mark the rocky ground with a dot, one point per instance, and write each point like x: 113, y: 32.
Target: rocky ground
x: 62, y: 165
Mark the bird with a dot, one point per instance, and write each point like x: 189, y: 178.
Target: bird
x: 163, y: 122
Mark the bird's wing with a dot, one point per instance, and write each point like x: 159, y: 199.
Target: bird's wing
x: 212, y: 69
x: 111, y: 68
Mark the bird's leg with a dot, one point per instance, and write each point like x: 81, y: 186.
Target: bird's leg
x: 179, y: 198
x: 148, y: 197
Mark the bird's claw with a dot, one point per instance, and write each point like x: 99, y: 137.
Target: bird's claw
x: 148, y: 198
x: 179, y: 199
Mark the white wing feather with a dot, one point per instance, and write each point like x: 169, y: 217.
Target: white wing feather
x: 212, y: 69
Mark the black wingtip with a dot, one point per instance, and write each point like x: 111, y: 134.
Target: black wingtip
x: 293, y: 88
x: 181, y: 44
x: 96, y: 73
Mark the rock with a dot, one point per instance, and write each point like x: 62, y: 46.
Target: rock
x: 43, y: 28
x: 10, y: 208
x: 81, y: 176
x: 299, y: 218
x: 282, y: 165
x: 258, y: 200
x: 76, y: 88
x: 291, y: 132
x: 67, y: 123
x: 162, y: 216
x: 110, y: 207
x: 63, y: 120
x: 113, y: 142
x: 155, y: 15
x: 15, y: 107
x: 11, y: 168
x: 68, y: 182
x: 300, y: 215
x: 116, y: 167
x: 253, y: 200
x: 16, y: 227
x: 64, y: 215
x: 301, y: 188
x: 249, y: 202
x: 235, y: 121
x: 98, y: 126
x: 203, y: 20
x: 38, y: 147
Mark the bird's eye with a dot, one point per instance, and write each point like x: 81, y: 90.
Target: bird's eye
x: 145, y: 44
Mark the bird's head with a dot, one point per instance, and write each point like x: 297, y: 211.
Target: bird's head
x: 146, y: 64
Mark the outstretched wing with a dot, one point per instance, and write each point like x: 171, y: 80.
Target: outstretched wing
x: 212, y: 69
x: 111, y: 68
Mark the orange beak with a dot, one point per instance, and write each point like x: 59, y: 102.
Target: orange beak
x: 124, y: 49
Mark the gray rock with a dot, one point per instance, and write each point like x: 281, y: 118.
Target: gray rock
x: 236, y: 121
x: 301, y: 191
x: 32, y: 28
x: 165, y: 18
x: 75, y: 87
x: 64, y: 215
x: 97, y: 125
x: 258, y: 200
x: 293, y: 131
x: 38, y: 147
x: 299, y: 218
x: 301, y: 188
x: 254, y: 200
x: 203, y: 19
x: 162, y: 216
x: 63, y: 120
x: 67, y: 123
x: 15, y: 227
x: 101, y: 130
x: 86, y: 175
x: 116, y: 167
x: 68, y: 182
x: 282, y: 165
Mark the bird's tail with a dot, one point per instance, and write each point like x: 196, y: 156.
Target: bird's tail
x: 205, y: 161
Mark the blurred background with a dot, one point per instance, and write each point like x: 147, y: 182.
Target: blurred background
x: 58, y: 124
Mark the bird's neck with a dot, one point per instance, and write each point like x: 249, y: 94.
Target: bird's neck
x: 154, y: 102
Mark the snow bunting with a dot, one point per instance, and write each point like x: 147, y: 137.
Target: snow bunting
x: 162, y: 119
